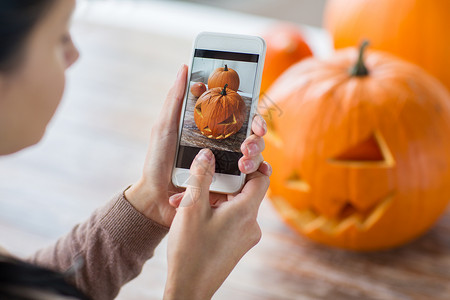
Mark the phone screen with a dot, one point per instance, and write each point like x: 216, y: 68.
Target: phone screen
x: 219, y: 118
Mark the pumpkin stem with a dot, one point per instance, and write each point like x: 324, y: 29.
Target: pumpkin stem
x: 226, y: 68
x: 360, y: 69
x: 224, y: 91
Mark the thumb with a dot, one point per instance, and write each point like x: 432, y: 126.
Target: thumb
x: 201, y: 174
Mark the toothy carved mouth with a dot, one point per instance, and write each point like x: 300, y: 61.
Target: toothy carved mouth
x: 220, y: 136
x: 309, y: 221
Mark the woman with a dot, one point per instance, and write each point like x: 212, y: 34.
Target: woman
x: 209, y: 233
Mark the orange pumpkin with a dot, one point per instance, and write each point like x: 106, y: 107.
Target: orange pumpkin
x: 285, y: 46
x: 219, y: 113
x: 415, y: 30
x: 221, y: 76
x: 361, y: 159
x: 198, y: 88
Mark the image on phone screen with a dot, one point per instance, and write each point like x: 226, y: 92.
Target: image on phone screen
x: 219, y: 118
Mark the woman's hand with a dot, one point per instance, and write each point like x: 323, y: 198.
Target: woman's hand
x: 151, y: 193
x: 206, y: 242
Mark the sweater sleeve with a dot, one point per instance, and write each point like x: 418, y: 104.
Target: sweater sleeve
x: 113, y: 245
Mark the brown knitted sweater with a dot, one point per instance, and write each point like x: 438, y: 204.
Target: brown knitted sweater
x: 113, y: 244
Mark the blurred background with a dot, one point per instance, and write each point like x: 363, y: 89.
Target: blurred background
x: 96, y: 144
x: 308, y: 12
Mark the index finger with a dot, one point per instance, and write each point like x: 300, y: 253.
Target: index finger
x: 172, y: 105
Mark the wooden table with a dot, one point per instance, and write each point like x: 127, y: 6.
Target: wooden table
x: 96, y: 144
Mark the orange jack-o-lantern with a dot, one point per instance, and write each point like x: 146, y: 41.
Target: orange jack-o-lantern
x: 221, y: 76
x: 219, y: 113
x: 361, y: 158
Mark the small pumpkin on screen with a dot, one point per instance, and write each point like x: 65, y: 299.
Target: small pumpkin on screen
x: 198, y: 88
x: 219, y: 113
x: 221, y: 76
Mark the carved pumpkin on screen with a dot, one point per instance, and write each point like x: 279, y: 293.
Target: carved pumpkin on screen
x: 361, y: 159
x: 219, y: 113
x: 221, y: 76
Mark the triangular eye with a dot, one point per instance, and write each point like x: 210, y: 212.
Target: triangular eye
x: 198, y: 109
x: 229, y: 121
x: 365, y: 150
x: 294, y: 181
x: 372, y: 149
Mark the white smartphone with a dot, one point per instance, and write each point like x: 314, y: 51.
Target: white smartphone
x: 220, y: 102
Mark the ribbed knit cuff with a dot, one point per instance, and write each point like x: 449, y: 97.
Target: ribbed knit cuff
x: 128, y: 227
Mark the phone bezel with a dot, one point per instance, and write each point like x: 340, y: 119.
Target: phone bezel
x: 222, y: 183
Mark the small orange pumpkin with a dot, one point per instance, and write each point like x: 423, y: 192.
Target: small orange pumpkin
x: 415, y: 30
x: 198, y: 88
x: 221, y: 76
x: 361, y: 158
x: 285, y: 46
x: 219, y: 113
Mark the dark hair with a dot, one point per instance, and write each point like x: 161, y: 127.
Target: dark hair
x: 17, y: 19
x: 23, y: 281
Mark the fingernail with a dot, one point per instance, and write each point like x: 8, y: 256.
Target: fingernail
x: 204, y: 155
x: 252, y: 149
x: 248, y: 165
x: 269, y: 168
x: 263, y: 123
x: 173, y: 197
